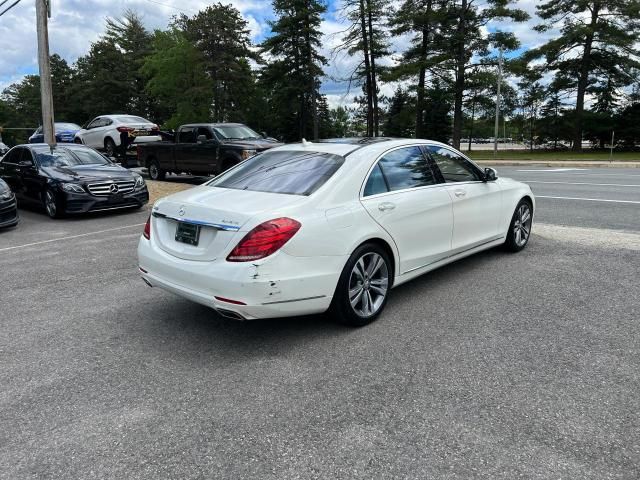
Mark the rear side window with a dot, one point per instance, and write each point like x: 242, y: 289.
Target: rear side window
x: 406, y: 168
x: 376, y: 183
x: 187, y: 135
x: 290, y: 172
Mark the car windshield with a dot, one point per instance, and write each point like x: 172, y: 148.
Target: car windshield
x: 66, y: 126
x: 236, y: 132
x: 291, y: 172
x: 131, y: 119
x: 63, y: 157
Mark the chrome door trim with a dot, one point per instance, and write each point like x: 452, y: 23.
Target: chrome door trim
x: 493, y: 239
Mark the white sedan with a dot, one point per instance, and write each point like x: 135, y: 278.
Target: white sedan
x: 310, y: 227
x: 103, y: 132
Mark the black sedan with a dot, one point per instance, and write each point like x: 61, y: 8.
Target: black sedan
x: 8, y: 206
x: 70, y: 179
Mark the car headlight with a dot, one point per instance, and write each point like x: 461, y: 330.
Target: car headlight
x: 247, y: 154
x: 72, y: 188
x: 139, y: 182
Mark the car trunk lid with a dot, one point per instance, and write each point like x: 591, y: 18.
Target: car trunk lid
x: 198, y: 224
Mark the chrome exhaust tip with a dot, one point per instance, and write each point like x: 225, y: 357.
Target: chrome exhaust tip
x: 229, y: 314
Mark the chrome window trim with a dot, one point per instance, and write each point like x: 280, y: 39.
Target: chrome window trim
x: 377, y: 160
x: 453, y: 150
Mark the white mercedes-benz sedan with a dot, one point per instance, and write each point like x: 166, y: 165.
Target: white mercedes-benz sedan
x: 310, y: 227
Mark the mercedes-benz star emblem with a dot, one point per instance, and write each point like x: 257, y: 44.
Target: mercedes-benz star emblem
x: 181, y: 212
x: 114, y: 188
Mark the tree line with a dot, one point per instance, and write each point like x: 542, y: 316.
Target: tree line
x: 581, y: 84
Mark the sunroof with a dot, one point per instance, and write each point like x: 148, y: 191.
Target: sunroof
x: 356, y: 140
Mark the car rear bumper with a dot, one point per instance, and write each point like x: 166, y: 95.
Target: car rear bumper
x: 84, y: 203
x: 279, y: 286
x: 8, y: 213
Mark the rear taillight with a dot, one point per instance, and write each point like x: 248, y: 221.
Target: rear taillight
x: 125, y: 129
x: 265, y: 239
x: 147, y: 229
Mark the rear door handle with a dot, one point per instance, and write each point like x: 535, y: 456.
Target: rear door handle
x: 383, y: 207
x: 460, y: 193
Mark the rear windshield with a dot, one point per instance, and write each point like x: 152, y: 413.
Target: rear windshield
x: 290, y: 172
x: 131, y: 119
x: 65, y: 126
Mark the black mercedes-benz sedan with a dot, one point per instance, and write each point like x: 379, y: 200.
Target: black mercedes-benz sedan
x: 70, y: 179
x: 8, y: 206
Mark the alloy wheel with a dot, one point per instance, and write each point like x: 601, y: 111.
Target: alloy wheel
x: 368, y: 284
x: 153, y: 171
x: 522, y: 225
x: 50, y: 203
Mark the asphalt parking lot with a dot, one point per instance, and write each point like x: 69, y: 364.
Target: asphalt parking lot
x: 499, y: 366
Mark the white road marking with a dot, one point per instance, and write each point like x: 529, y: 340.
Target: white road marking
x: 584, y: 183
x: 71, y: 237
x: 585, y: 174
x: 551, y: 170
x: 590, y: 199
x: 593, y: 237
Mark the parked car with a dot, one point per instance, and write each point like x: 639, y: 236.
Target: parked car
x: 8, y: 206
x: 3, y: 149
x: 65, y: 133
x: 308, y: 227
x: 103, y: 132
x: 203, y: 149
x: 70, y: 179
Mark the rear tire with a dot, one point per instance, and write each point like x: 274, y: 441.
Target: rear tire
x: 110, y: 147
x: 77, y: 140
x: 155, y: 172
x: 52, y: 204
x: 363, y: 287
x: 520, y: 227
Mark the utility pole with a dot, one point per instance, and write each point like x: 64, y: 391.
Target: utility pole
x: 43, y: 12
x: 497, y: 126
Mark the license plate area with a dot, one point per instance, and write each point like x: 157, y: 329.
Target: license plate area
x: 188, y: 233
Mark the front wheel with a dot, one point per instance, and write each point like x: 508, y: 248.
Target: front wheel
x: 51, y: 204
x: 520, y: 227
x: 363, y: 288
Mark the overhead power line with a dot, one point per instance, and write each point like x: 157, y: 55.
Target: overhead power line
x: 9, y: 7
x: 170, y: 6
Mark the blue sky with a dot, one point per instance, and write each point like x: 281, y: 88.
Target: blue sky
x: 77, y: 23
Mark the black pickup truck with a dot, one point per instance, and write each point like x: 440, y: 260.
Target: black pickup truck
x: 202, y: 149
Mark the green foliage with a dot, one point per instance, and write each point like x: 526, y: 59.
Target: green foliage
x: 221, y: 34
x: 400, y: 118
x: 177, y: 78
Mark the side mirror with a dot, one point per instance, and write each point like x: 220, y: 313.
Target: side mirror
x: 202, y: 138
x: 264, y: 134
x: 490, y: 174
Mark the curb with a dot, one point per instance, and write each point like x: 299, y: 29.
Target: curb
x: 543, y: 163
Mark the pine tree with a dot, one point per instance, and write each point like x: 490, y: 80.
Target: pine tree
x: 423, y: 20
x: 293, y: 76
x: 365, y: 36
x: 464, y: 28
x: 400, y: 121
x: 222, y: 36
x: 597, y: 39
